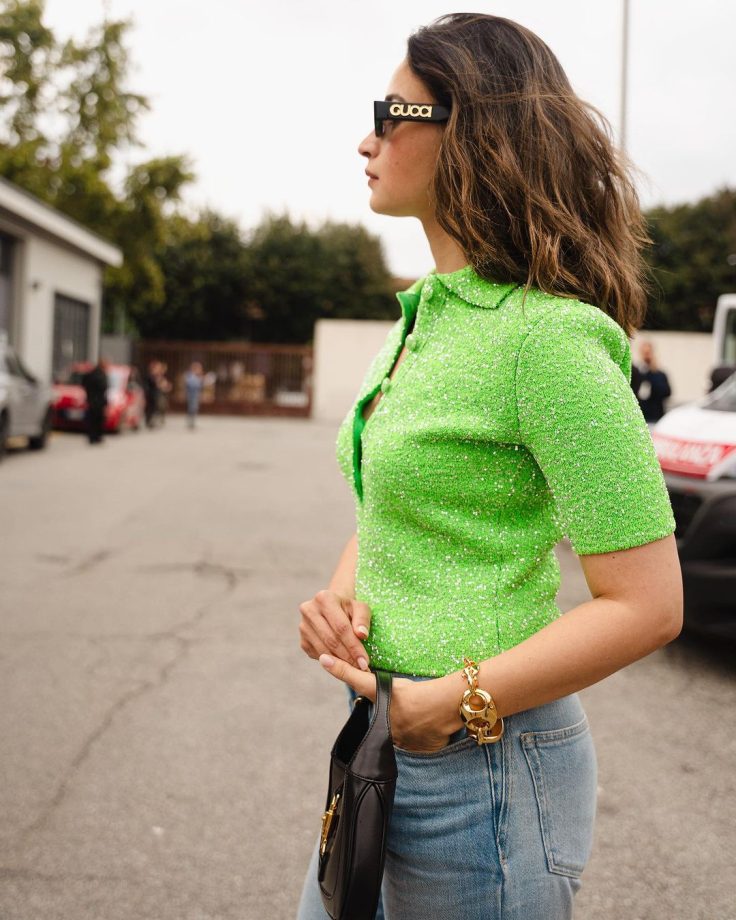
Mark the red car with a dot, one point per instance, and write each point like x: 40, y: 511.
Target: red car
x: 125, y: 399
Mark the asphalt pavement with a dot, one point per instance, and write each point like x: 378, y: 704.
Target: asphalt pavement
x: 165, y: 741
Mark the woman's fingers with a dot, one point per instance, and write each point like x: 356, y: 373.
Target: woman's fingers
x: 360, y: 615
x: 326, y: 640
x: 337, y: 611
x: 364, y: 683
x: 331, y: 623
x: 309, y: 640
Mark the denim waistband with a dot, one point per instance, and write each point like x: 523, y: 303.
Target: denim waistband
x: 553, y: 716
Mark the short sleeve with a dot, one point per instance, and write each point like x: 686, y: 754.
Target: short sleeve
x: 580, y: 419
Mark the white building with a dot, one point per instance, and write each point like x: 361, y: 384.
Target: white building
x: 50, y: 283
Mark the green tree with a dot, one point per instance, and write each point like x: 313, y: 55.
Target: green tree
x: 27, y: 59
x: 299, y: 275
x: 102, y: 113
x: 691, y: 260
x: 358, y: 283
x: 204, y: 264
x: 66, y: 113
x: 141, y: 230
x: 270, y: 288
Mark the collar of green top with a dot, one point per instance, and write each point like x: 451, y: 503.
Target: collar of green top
x: 409, y: 300
x: 464, y: 283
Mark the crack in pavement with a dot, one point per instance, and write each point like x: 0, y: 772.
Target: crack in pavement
x: 92, y: 637
x: 53, y: 558
x: 12, y: 872
x: 84, y: 752
x: 88, y: 563
x: 159, y: 680
x: 203, y: 568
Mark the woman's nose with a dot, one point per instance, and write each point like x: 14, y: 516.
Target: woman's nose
x: 368, y: 146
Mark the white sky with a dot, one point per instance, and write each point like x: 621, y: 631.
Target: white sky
x: 270, y: 99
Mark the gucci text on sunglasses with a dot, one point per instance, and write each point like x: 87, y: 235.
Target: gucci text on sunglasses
x: 384, y: 110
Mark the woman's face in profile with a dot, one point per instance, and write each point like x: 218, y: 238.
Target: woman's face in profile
x: 401, y: 163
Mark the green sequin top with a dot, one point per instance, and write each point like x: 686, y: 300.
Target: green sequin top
x: 505, y: 427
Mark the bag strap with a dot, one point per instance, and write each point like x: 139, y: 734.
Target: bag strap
x: 384, y: 682
x: 375, y: 758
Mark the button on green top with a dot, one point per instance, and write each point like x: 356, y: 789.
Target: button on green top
x: 385, y: 384
x: 515, y: 424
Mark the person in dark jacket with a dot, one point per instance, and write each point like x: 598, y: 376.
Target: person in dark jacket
x: 151, y: 392
x: 650, y: 384
x: 95, y: 385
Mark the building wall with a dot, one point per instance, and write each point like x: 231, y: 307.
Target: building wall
x: 343, y: 349
x: 47, y: 269
x: 117, y: 348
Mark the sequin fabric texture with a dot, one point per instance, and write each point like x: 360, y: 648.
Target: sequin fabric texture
x: 509, y: 423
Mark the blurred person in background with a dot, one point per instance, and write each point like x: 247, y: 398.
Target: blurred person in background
x: 193, y: 385
x: 156, y: 388
x: 649, y: 383
x: 95, y: 383
x: 162, y: 395
x: 150, y: 392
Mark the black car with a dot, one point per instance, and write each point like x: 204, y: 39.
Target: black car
x: 696, y: 445
x: 705, y: 515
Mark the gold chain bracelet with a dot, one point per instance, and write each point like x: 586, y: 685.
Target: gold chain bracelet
x: 480, y: 723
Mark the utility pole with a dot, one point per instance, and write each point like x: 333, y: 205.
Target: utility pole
x: 624, y: 75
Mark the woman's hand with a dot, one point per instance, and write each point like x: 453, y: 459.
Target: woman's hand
x: 421, y: 715
x: 334, y: 624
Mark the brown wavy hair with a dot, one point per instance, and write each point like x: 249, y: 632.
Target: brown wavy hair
x: 528, y: 180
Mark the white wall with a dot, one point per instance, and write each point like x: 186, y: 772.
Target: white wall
x: 117, y: 348
x: 48, y: 268
x: 343, y: 349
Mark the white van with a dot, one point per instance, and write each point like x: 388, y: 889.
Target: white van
x: 724, y: 336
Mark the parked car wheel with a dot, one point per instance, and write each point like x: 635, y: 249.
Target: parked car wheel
x: 40, y: 440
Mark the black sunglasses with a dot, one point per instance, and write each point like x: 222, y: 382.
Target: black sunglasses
x: 406, y: 111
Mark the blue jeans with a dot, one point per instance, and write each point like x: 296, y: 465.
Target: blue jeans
x: 192, y: 405
x: 492, y: 832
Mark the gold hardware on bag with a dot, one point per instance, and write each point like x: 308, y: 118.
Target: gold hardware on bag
x: 327, y: 823
x: 479, y: 722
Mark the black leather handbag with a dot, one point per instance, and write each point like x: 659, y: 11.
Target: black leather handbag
x: 360, y: 798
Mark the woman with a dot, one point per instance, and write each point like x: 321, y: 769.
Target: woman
x: 503, y: 421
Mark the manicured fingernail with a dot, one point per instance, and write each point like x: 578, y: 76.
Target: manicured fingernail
x: 362, y: 664
x: 326, y: 661
x: 362, y: 631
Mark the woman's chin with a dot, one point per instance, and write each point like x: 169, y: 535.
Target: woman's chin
x: 376, y: 205
x: 387, y: 209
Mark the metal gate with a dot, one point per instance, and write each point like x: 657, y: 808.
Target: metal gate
x: 241, y: 378
x: 71, y: 333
